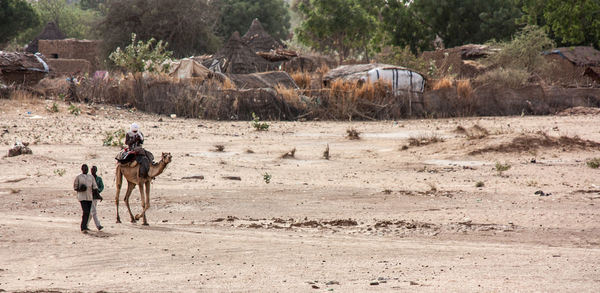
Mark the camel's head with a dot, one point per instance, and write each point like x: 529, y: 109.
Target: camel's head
x: 166, y: 157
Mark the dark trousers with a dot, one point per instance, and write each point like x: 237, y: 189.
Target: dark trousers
x: 86, y: 206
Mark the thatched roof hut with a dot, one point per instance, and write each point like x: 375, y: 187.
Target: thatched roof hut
x: 263, y: 80
x: 22, y: 68
x: 50, y: 32
x: 236, y: 58
x: 258, y: 39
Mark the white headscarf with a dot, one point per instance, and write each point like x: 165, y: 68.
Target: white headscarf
x: 135, y: 127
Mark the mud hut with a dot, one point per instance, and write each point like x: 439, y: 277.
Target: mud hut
x: 462, y: 60
x: 258, y: 39
x: 50, y: 32
x: 22, y: 68
x: 236, y: 58
x: 574, y: 66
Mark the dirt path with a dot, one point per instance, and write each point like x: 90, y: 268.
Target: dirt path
x: 376, y: 216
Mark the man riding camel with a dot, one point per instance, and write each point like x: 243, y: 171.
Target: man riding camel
x: 134, y: 141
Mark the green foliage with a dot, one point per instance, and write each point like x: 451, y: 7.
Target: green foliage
x: 15, y: 17
x: 259, y: 126
x: 405, y: 57
x: 70, y: 18
x: 343, y: 27
x: 569, y: 23
x: 187, y: 25
x: 593, y: 163
x: 267, y: 178
x: 460, y: 22
x: 400, y: 26
x: 53, y: 109
x: 74, y: 110
x: 237, y: 15
x: 142, y: 56
x: 524, y: 51
x: 60, y: 172
x: 502, y: 167
x: 114, y: 138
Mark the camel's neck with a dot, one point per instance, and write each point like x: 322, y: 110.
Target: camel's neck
x: 158, y: 169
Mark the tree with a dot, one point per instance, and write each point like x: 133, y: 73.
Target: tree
x: 460, y: 22
x: 142, y: 56
x: 237, y: 15
x: 70, y: 19
x: 401, y: 27
x: 569, y: 23
x: 15, y: 16
x: 343, y: 27
x: 187, y: 25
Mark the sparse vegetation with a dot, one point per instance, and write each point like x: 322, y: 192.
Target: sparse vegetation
x: 326, y: 153
x: 289, y: 155
x: 442, y: 83
x: 502, y: 167
x: 593, y: 163
x: 259, y: 126
x: 53, y: 108
x: 219, y: 148
x: 73, y: 109
x: 352, y: 134
x: 114, y: 138
x: 267, y: 178
x: 423, y: 140
x: 60, y: 172
x: 479, y: 184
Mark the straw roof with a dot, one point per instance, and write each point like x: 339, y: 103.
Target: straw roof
x: 50, y: 32
x: 236, y: 58
x: 580, y: 56
x: 258, y: 39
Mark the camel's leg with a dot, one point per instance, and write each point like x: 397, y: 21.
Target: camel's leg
x: 130, y: 187
x: 147, y: 202
x: 143, y: 199
x: 119, y: 179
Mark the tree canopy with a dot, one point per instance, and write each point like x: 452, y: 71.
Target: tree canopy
x: 237, y: 15
x: 187, y: 25
x: 15, y: 16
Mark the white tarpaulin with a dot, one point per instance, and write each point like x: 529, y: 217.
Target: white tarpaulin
x: 402, y: 79
x: 188, y: 68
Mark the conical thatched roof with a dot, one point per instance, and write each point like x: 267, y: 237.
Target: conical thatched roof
x: 236, y: 58
x: 258, y: 39
x: 50, y: 32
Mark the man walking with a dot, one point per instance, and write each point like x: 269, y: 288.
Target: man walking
x: 96, y: 197
x: 84, y: 184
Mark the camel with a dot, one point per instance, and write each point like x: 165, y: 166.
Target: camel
x: 131, y: 172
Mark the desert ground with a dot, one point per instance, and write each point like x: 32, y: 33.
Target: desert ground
x: 379, y: 215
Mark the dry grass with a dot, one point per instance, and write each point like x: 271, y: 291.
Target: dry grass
x: 23, y: 95
x: 464, y: 89
x: 475, y: 132
x: 423, y: 140
x: 326, y: 153
x: 352, y: 134
x: 289, y: 155
x: 228, y: 84
x: 442, y: 83
x: 532, y: 142
x: 302, y: 79
x: 289, y: 95
x: 500, y: 77
x: 219, y: 148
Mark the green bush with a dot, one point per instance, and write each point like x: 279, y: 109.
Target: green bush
x: 500, y: 77
x: 593, y: 163
x: 114, y: 138
x: 142, y: 56
x: 259, y: 126
x: 74, y: 110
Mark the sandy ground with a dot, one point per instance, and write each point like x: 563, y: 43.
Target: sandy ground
x: 374, y: 217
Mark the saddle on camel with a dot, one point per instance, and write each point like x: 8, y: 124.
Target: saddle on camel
x: 135, y: 154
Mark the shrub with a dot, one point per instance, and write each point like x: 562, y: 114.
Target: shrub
x: 114, y: 138
x: 593, y: 163
x: 500, y: 77
x: 267, y: 177
x: 479, y: 184
x: 60, y: 172
x: 502, y: 167
x: 53, y: 108
x: 524, y: 51
x: 259, y: 126
x: 352, y: 134
x: 423, y: 140
x: 74, y: 110
x: 142, y: 56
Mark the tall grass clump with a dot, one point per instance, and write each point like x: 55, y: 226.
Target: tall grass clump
x: 442, y: 83
x: 501, y: 77
x: 302, y: 79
